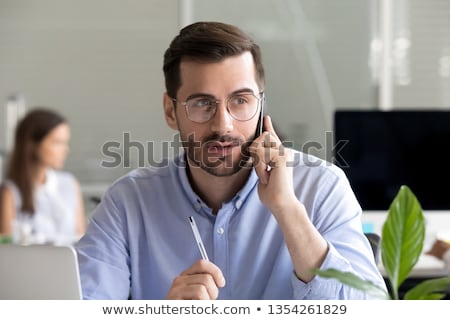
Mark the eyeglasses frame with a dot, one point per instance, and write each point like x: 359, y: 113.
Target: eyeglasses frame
x: 261, y: 100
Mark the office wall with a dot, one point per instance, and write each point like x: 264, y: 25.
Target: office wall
x: 423, y: 79
x: 316, y: 57
x: 99, y: 62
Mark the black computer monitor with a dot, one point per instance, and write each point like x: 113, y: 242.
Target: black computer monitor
x: 387, y: 149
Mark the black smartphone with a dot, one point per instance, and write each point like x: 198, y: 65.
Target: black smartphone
x: 259, y: 126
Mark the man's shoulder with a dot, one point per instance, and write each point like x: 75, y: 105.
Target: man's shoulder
x: 161, y: 172
x: 305, y: 163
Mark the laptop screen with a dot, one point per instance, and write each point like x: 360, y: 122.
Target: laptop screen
x: 39, y: 272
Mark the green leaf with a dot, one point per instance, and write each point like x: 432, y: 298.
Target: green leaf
x: 427, y: 289
x: 402, y: 237
x: 401, y: 245
x: 354, y: 281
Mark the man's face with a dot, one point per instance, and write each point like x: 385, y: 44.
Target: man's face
x: 218, y: 145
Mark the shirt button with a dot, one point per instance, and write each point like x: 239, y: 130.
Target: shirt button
x: 220, y: 230
x: 239, y: 203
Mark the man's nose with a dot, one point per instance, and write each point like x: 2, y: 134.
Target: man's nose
x: 222, y: 121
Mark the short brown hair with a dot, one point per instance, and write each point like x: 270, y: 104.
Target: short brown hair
x: 208, y: 42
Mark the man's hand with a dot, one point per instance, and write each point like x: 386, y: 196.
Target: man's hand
x: 271, y: 161
x: 274, y: 166
x: 201, y: 281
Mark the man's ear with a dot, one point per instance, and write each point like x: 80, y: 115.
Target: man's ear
x: 169, y: 112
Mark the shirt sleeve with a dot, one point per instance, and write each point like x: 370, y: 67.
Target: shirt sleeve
x: 328, y: 289
x: 103, y: 256
x: 336, y: 214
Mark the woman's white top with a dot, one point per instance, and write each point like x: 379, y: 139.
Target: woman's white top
x: 54, y: 219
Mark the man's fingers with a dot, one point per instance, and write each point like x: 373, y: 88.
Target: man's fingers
x: 195, y: 286
x: 203, y: 266
x: 268, y: 126
x: 266, y: 152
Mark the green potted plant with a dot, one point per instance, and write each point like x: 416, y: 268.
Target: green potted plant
x: 401, y: 245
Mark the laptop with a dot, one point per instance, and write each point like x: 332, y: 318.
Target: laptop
x: 39, y: 272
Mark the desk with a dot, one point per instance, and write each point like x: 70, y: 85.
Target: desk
x: 427, y: 267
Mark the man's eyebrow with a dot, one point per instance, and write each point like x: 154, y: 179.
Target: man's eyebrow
x: 212, y: 97
x: 201, y: 95
x: 240, y: 91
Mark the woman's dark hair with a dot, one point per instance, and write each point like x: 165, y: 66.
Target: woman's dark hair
x: 24, y: 160
x: 208, y: 42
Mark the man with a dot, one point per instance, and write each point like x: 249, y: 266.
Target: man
x: 267, y: 215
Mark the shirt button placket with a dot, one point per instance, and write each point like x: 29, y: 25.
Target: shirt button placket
x: 221, y: 253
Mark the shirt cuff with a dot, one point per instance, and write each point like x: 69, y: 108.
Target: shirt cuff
x: 321, y: 288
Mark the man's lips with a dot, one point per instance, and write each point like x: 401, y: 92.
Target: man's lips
x: 220, y: 148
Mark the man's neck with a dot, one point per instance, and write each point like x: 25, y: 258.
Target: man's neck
x: 214, y: 190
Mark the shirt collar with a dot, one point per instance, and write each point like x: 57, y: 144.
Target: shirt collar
x: 197, y: 202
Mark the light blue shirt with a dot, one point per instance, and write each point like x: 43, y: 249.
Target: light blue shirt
x: 139, y: 238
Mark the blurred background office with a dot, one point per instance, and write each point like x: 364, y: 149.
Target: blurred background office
x: 40, y: 203
x: 100, y: 62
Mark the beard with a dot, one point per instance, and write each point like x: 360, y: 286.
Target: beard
x: 220, y: 156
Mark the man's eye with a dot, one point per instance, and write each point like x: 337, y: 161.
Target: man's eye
x: 203, y: 103
x: 239, y: 100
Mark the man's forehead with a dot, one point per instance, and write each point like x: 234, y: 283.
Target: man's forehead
x: 239, y: 69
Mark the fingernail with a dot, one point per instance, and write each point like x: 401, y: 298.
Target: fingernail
x: 222, y: 282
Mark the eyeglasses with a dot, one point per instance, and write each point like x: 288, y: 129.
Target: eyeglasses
x: 242, y: 107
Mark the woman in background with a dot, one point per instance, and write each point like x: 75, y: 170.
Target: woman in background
x: 39, y: 203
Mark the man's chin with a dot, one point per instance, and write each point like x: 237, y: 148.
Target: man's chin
x: 223, y: 167
x: 221, y: 171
